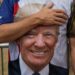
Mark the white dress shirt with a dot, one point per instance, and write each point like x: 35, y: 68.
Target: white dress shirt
x: 25, y: 70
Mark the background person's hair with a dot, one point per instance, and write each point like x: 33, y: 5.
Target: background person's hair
x: 71, y: 22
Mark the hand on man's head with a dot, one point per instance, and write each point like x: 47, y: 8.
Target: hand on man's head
x: 52, y: 16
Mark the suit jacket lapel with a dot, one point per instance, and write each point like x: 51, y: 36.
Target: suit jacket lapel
x: 14, y: 68
x: 55, y: 70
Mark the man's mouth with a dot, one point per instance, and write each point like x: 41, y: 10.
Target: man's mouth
x: 38, y: 52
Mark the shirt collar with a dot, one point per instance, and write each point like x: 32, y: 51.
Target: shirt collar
x: 25, y: 70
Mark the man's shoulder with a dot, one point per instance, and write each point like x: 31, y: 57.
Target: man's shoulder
x: 14, y: 68
x: 56, y: 70
x: 53, y: 69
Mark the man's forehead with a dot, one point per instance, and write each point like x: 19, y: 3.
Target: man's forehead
x: 44, y: 28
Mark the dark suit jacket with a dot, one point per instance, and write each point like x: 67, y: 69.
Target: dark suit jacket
x: 14, y: 69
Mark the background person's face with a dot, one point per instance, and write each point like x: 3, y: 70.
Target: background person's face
x: 37, y: 46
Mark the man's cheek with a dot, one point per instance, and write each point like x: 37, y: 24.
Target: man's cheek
x: 28, y: 43
x: 51, y: 43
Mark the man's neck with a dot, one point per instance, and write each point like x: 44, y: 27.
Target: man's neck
x: 25, y: 70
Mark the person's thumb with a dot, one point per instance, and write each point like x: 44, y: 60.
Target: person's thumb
x: 49, y: 5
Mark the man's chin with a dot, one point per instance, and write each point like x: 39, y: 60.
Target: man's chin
x: 37, y: 66
x: 39, y: 59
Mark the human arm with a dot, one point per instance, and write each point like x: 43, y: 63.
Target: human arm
x: 12, y: 31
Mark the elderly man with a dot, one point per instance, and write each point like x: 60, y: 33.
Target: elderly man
x: 36, y: 51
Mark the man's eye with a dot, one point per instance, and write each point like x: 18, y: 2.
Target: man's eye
x: 48, y: 34
x: 31, y: 35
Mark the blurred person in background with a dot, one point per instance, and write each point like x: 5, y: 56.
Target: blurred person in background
x: 72, y: 37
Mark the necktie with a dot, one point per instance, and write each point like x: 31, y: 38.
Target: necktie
x: 36, y: 73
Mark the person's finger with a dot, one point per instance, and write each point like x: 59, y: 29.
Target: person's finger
x: 54, y: 22
x: 60, y: 11
x: 58, y: 23
x: 61, y: 15
x: 60, y: 20
x: 49, y: 5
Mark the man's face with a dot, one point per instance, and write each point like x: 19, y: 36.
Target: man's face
x: 37, y: 46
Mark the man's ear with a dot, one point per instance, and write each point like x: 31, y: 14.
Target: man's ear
x: 18, y: 42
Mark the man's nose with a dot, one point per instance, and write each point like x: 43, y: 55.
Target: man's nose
x: 40, y: 41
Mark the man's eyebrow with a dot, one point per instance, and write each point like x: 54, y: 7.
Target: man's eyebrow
x: 49, y: 33
x: 31, y: 31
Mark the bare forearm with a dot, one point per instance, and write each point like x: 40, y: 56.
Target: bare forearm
x: 10, y: 32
